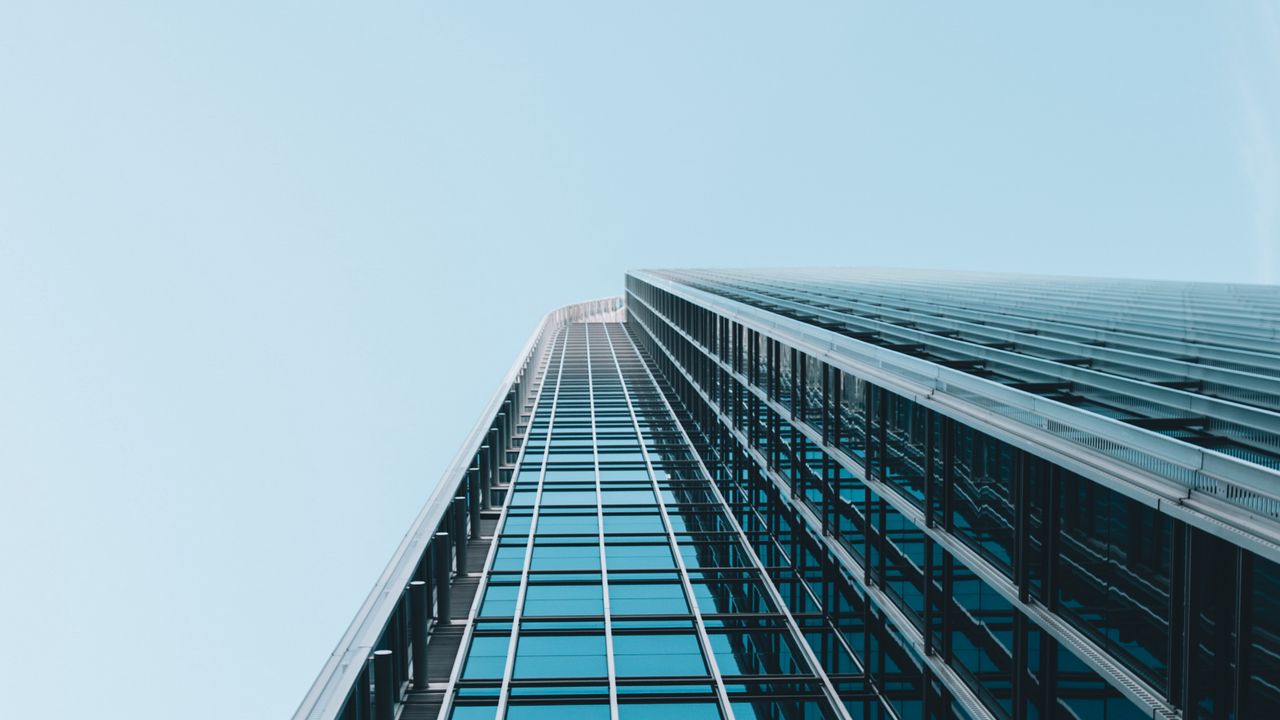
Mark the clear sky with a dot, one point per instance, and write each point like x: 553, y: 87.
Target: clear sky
x: 261, y: 263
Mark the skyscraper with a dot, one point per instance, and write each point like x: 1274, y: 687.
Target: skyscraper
x: 851, y: 493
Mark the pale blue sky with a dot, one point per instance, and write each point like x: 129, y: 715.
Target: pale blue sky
x: 261, y: 263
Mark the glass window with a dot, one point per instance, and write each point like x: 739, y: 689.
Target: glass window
x: 754, y: 653
x: 657, y: 655
x: 564, y: 498
x: 523, y: 498
x: 1081, y: 693
x: 642, y: 497
x: 565, y: 557
x: 560, y: 656
x: 594, y: 711
x: 567, y: 524
x: 487, y: 657
x: 615, y: 524
x: 500, y: 601
x: 516, y: 525
x: 1260, y: 683
x: 509, y: 557
x: 1114, y: 562
x: 982, y: 638
x: 771, y: 709
x: 982, y: 495
x: 638, y: 557
x: 550, y: 600
x: 667, y: 711
x: 474, y: 712
x: 647, y: 599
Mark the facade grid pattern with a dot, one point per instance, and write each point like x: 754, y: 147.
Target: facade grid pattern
x: 618, y: 586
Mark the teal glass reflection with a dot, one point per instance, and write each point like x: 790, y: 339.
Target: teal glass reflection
x: 565, y: 557
x: 596, y: 711
x: 647, y: 599
x: 667, y: 711
x: 547, y: 656
x: 474, y: 712
x: 638, y: 557
x: 487, y: 657
x: 657, y: 655
x: 552, y: 600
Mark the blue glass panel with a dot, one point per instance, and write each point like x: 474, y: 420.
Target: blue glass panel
x: 523, y: 497
x: 629, y: 497
x: 638, y: 557
x: 547, y: 656
x: 647, y: 599
x: 518, y: 691
x: 668, y: 689
x: 558, y: 712
x: 632, y: 524
x: 547, y: 600
x: 755, y: 653
x: 566, y: 557
x: 666, y: 711
x: 565, y: 498
x: 657, y: 655
x: 516, y: 525
x: 500, y: 601
x: 487, y: 657
x: 566, y: 524
x: 474, y: 712
x: 807, y: 709
x: 509, y: 557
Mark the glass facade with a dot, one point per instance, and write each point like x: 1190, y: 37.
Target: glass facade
x: 853, y: 494
x: 620, y: 585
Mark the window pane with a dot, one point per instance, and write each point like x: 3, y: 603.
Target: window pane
x: 548, y: 600
x: 657, y: 655
x: 547, y: 656
x: 474, y: 712
x: 638, y: 557
x: 667, y: 711
x: 558, y: 712
x: 647, y: 599
x: 487, y: 657
x: 566, y: 557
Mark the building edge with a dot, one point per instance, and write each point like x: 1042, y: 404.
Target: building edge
x: 347, y: 665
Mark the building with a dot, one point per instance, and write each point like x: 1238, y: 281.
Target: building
x: 851, y: 493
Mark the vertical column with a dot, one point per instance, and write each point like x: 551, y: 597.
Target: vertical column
x: 1021, y: 663
x: 420, y: 615
x: 497, y: 457
x: 384, y: 687
x: 1177, y: 649
x: 442, y: 562
x: 485, y: 474
x: 473, y: 491
x: 1021, y: 526
x: 362, y: 691
x: 928, y: 600
x: 459, y: 510
x: 948, y: 472
x: 930, y: 491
